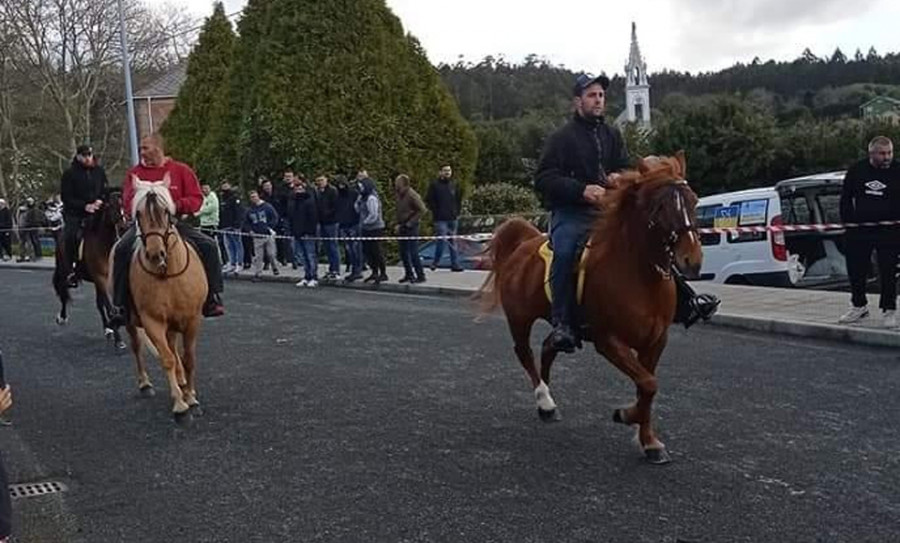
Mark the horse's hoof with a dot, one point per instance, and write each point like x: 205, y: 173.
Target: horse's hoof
x: 657, y: 457
x: 196, y: 410
x: 109, y: 334
x: 61, y: 320
x: 147, y: 391
x: 184, y: 419
x: 120, y: 345
x: 552, y: 415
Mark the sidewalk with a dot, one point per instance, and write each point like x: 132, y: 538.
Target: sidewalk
x: 804, y: 313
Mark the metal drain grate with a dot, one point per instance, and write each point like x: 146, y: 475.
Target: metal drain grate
x: 32, y: 490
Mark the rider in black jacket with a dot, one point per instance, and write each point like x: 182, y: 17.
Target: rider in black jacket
x: 81, y: 188
x: 579, y: 161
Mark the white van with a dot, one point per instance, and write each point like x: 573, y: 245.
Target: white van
x: 785, y: 259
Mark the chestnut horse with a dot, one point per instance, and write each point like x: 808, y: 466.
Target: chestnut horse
x: 168, y: 288
x: 647, y: 225
x: 101, y: 231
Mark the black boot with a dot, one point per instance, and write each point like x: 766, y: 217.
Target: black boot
x: 690, y: 306
x: 562, y: 339
x: 213, y: 306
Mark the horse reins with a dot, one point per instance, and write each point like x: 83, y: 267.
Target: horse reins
x: 669, y: 246
x: 165, y: 239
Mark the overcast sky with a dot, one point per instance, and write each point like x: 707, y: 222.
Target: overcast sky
x: 593, y: 35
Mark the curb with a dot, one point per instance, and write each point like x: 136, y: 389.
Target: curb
x: 843, y: 334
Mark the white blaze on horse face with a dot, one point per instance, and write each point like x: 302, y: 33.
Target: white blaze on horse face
x: 679, y: 203
x: 142, y: 189
x: 544, y: 400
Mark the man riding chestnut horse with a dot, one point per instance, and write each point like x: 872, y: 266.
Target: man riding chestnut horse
x: 579, y: 161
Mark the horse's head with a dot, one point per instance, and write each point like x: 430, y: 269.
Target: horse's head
x: 152, y: 210
x: 669, y: 205
x: 112, y: 215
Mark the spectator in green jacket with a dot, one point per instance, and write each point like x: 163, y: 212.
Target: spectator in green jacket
x: 209, y: 211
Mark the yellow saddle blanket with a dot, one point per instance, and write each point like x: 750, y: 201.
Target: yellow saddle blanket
x: 547, y: 255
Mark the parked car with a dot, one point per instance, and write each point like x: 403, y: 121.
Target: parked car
x: 784, y: 259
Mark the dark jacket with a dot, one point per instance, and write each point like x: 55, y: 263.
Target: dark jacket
x: 444, y: 199
x: 410, y: 207
x: 231, y: 211
x: 6, y: 222
x: 345, y: 206
x: 81, y: 186
x: 326, y: 202
x: 302, y: 214
x: 580, y: 153
x: 870, y: 194
x: 262, y: 219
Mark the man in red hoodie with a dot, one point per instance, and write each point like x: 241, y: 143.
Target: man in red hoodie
x: 186, y: 193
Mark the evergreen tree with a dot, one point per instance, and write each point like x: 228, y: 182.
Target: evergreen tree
x: 207, y: 74
x: 335, y: 86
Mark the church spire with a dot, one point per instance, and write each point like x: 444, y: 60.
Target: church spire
x: 636, y: 69
x: 637, y: 87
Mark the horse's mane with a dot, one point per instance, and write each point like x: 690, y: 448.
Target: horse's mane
x: 634, y: 191
x: 154, y: 199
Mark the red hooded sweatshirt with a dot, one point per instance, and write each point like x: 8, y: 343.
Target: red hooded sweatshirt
x: 184, y: 187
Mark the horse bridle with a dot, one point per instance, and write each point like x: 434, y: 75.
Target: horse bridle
x: 669, y: 245
x: 165, y: 237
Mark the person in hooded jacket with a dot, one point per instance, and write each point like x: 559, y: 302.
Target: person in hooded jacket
x: 348, y: 226
x: 302, y: 211
x: 231, y: 218
x: 371, y: 223
x: 81, y: 189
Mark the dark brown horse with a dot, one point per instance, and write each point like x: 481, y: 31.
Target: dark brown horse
x: 101, y: 231
x: 647, y: 226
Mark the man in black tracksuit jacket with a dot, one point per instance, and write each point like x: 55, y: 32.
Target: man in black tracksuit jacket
x: 570, y: 180
x: 81, y: 189
x: 871, y: 192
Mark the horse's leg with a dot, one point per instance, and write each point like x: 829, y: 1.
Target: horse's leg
x: 172, y: 338
x: 62, y: 292
x: 521, y: 333
x: 157, y: 333
x: 189, y: 341
x: 104, y: 306
x: 144, y: 385
x: 625, y: 360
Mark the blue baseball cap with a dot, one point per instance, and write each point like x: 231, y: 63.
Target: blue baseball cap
x: 584, y: 81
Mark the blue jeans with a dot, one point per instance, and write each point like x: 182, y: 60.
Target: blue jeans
x: 409, y: 252
x: 331, y: 247
x: 445, y: 228
x: 305, y: 255
x: 353, y: 248
x: 234, y: 247
x: 569, y: 230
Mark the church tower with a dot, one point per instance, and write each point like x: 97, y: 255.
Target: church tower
x: 637, y: 89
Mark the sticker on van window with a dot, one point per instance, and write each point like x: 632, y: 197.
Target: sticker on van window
x: 753, y: 212
x: 726, y: 217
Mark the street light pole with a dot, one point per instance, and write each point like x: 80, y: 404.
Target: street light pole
x: 129, y: 92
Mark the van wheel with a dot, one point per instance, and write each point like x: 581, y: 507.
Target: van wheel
x: 737, y: 280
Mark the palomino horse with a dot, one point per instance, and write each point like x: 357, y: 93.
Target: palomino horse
x: 101, y: 231
x: 168, y: 288
x: 647, y: 225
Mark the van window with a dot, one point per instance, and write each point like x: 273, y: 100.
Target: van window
x: 752, y: 213
x: 830, y: 204
x: 706, y: 217
x: 795, y: 210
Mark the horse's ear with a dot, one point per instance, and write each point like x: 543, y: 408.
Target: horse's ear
x: 167, y: 180
x: 643, y: 165
x: 682, y: 162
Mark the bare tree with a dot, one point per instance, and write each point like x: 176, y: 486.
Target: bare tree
x: 67, y: 54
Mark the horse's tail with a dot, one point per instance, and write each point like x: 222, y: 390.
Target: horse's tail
x: 507, y: 238
x: 145, y: 341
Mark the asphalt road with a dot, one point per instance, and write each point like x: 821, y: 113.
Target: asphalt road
x: 335, y: 415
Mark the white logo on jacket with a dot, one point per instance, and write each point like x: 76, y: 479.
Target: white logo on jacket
x: 875, y: 188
